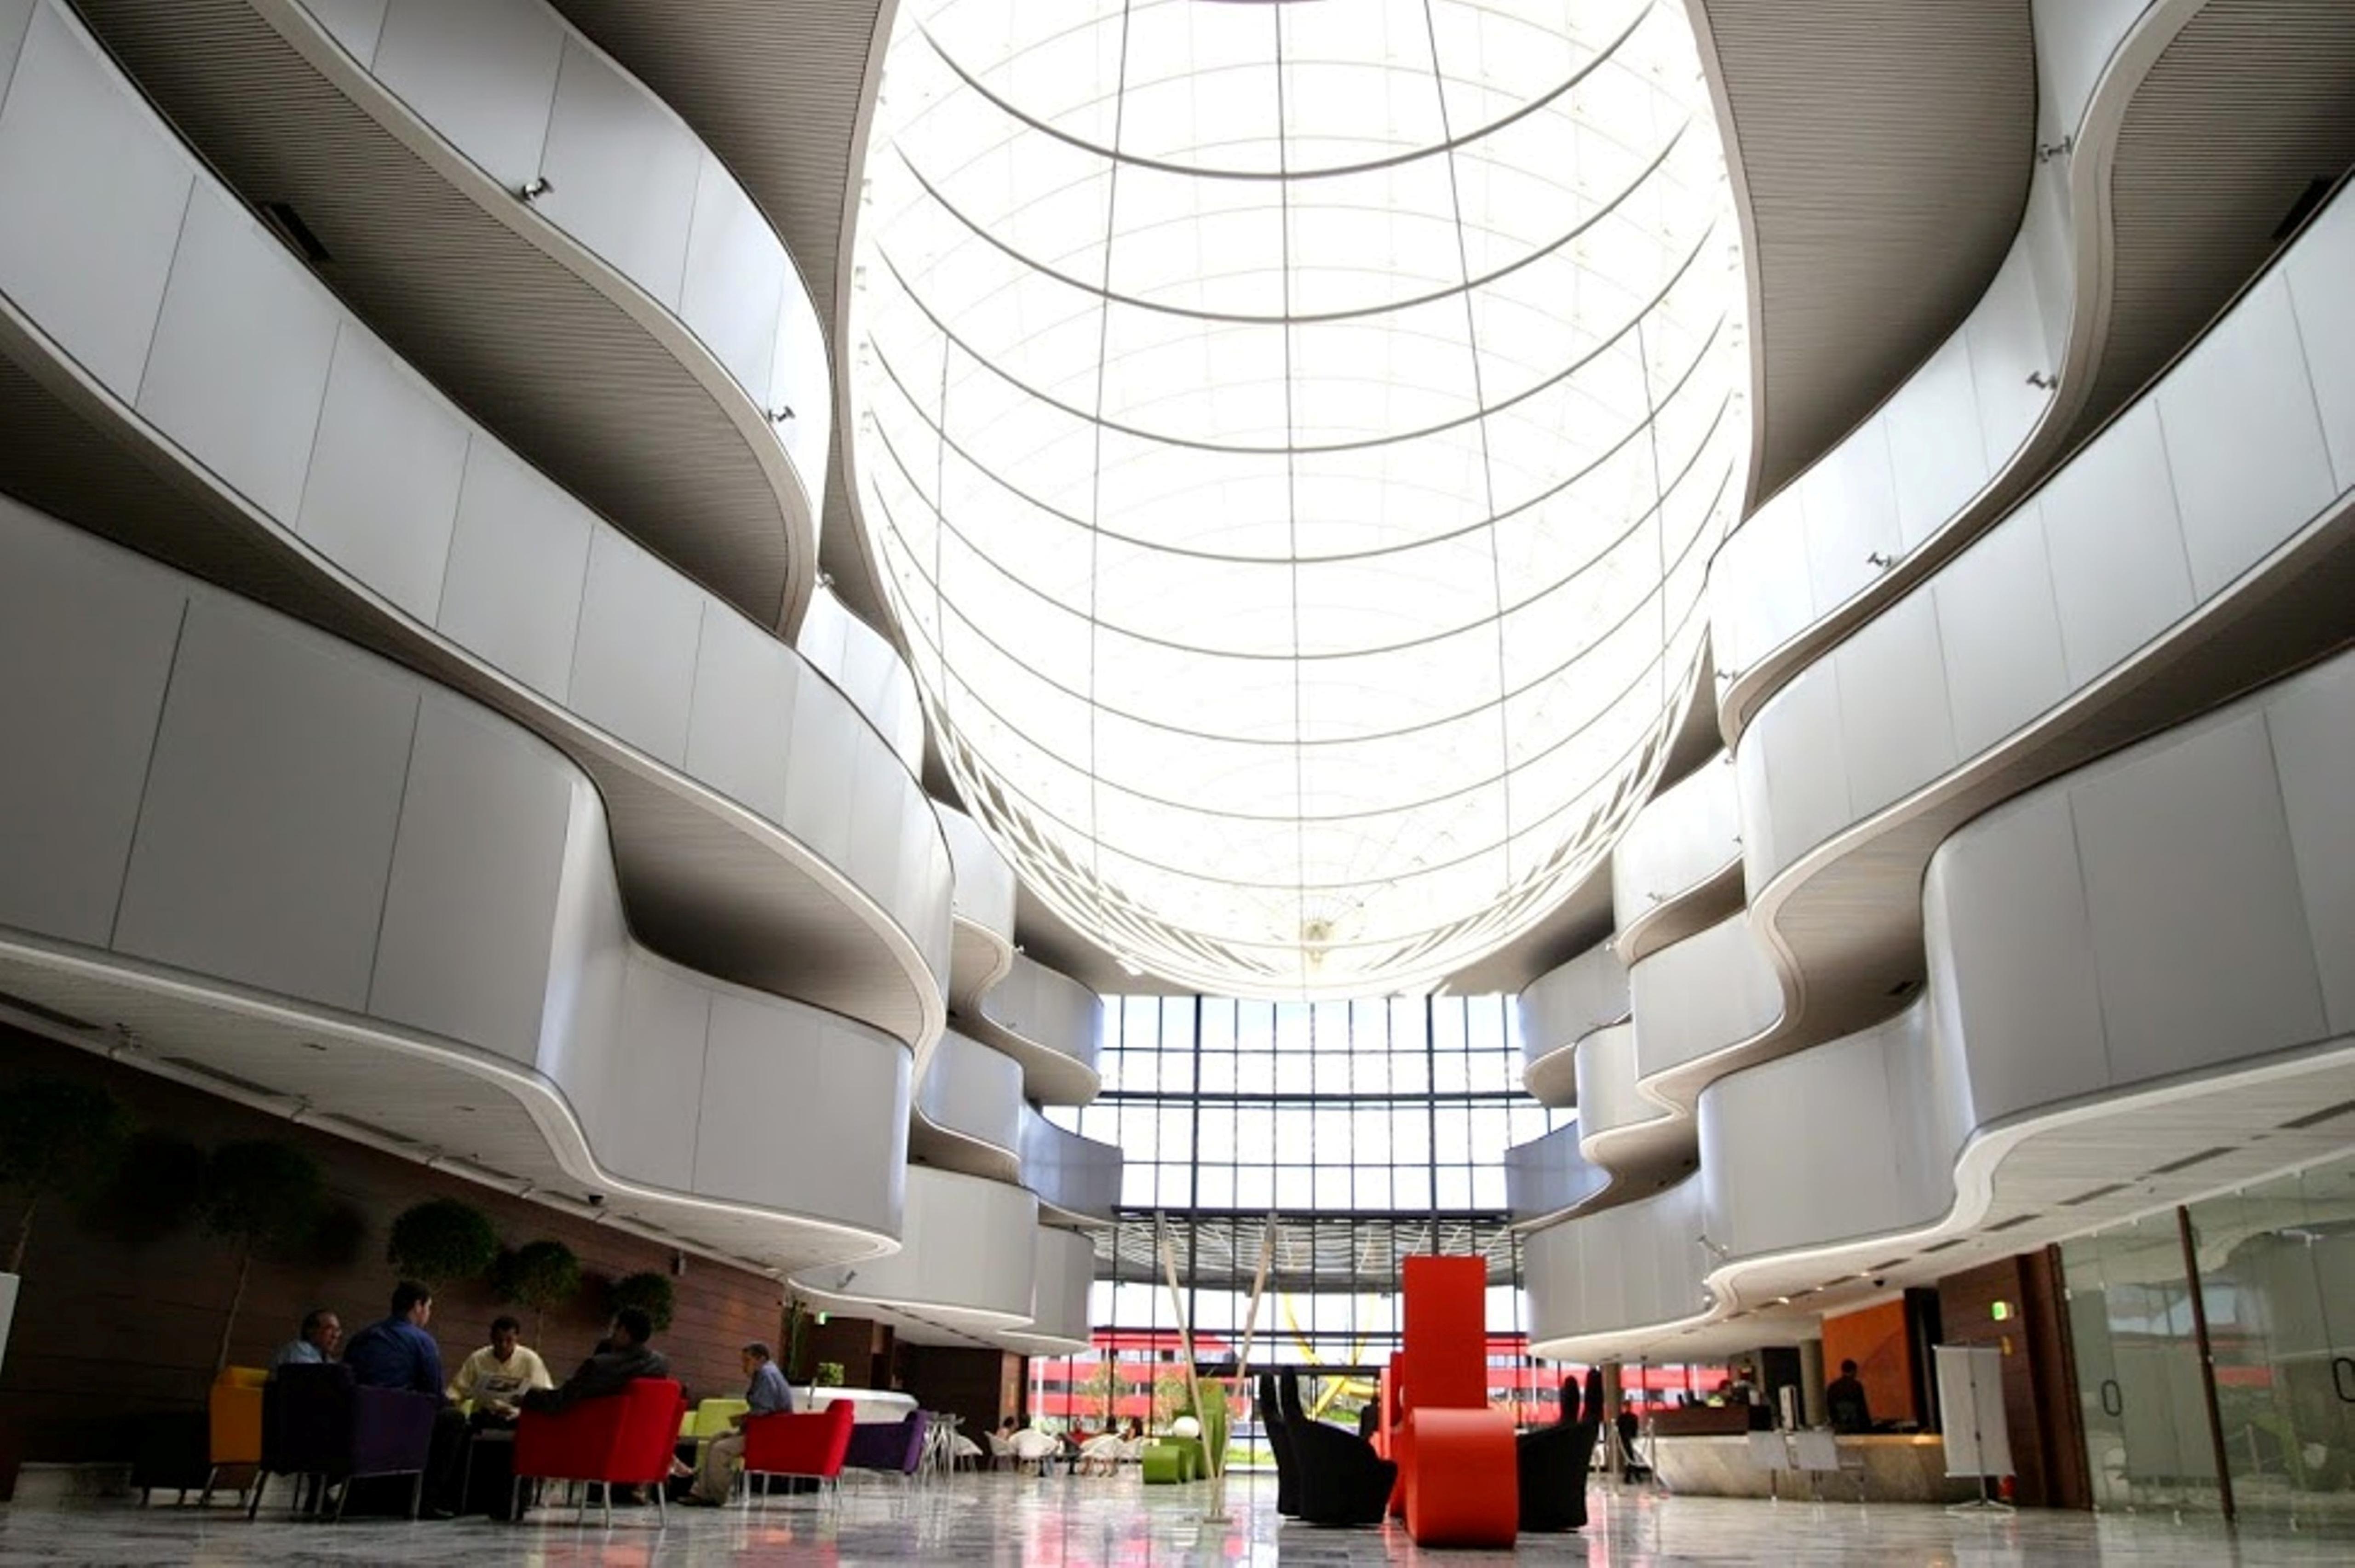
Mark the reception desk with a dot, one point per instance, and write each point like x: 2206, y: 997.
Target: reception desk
x: 1874, y: 1466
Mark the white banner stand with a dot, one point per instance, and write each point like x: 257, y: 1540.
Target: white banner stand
x: 1970, y: 1413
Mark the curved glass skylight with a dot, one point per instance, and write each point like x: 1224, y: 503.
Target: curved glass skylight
x: 1293, y: 437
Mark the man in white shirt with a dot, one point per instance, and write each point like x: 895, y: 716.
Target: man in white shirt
x: 497, y: 1376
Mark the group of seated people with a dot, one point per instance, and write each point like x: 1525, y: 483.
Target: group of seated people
x: 1018, y: 1443
x: 496, y: 1383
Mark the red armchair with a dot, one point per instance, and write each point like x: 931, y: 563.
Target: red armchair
x: 812, y: 1445
x: 624, y: 1439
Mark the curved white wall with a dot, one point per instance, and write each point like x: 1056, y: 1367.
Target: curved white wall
x: 523, y: 95
x: 865, y: 668
x: 1547, y: 1175
x: 1609, y: 1094
x: 199, y: 783
x: 1054, y: 1024
x: 1065, y: 1266
x: 2245, y: 445
x: 2150, y: 924
x: 985, y: 886
x: 1928, y: 466
x: 968, y: 1246
x: 1076, y: 1177
x: 1684, y: 838
x: 155, y: 283
x: 1640, y: 1264
x: 1697, y: 997
x: 973, y: 1093
x: 1562, y: 1007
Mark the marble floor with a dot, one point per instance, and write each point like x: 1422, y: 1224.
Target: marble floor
x: 1012, y: 1521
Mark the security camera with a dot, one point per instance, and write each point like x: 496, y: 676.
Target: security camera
x: 596, y: 1200
x: 1879, y: 1283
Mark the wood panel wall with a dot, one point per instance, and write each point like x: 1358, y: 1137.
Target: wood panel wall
x: 2040, y: 1404
x: 982, y: 1387
x: 107, y: 1334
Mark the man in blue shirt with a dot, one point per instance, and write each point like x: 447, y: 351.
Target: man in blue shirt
x: 768, y: 1394
x: 397, y: 1353
x: 322, y: 1332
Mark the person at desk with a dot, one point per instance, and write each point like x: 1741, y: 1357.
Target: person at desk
x: 1844, y: 1399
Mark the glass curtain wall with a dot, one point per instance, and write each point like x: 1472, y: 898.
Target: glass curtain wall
x: 1364, y: 1132
x: 2277, y: 1275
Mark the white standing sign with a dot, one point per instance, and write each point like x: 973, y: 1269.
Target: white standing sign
x: 1970, y: 1411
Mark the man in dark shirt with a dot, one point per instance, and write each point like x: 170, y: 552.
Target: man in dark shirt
x: 1844, y: 1401
x: 624, y: 1359
x: 399, y: 1354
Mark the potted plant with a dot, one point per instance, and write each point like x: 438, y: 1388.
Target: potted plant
x: 649, y: 1292
x: 829, y: 1375
x: 536, y: 1276
x: 441, y: 1242
x: 58, y: 1137
x: 258, y: 1193
x: 156, y: 1190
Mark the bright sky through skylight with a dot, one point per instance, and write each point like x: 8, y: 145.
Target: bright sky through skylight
x: 1293, y: 437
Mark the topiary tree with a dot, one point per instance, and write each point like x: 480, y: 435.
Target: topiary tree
x: 538, y: 1274
x: 156, y: 1189
x: 442, y: 1241
x: 258, y: 1193
x: 650, y: 1293
x: 58, y: 1137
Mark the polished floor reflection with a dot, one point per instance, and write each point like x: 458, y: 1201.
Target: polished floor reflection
x: 1010, y: 1522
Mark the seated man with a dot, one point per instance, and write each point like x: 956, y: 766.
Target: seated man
x: 495, y: 1376
x: 624, y: 1359
x: 397, y: 1352
x: 322, y: 1332
x: 768, y: 1394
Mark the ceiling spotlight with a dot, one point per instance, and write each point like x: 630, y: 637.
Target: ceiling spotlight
x: 2037, y: 378
x: 780, y: 414
x: 534, y: 188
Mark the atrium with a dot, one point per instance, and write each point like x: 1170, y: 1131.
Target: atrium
x: 1150, y: 779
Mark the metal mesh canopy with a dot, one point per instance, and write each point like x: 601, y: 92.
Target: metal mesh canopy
x: 1342, y: 1253
x: 1293, y: 437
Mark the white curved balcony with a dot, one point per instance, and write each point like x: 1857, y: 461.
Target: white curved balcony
x: 1562, y: 1007
x: 284, y: 861
x: 2202, y: 535
x: 1064, y: 1270
x: 1614, y: 1111
x: 986, y: 899
x: 1077, y: 1179
x: 1697, y: 999
x: 1051, y: 1025
x: 532, y: 228
x: 1642, y: 1265
x: 1680, y: 867
x: 969, y: 1111
x: 865, y: 668
x: 2142, y: 985
x: 1547, y: 1176
x: 967, y: 1258
x: 761, y: 823
x: 1953, y: 447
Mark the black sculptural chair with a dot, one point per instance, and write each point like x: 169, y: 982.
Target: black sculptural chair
x: 1342, y: 1479
x: 1279, y: 1438
x: 1554, y: 1462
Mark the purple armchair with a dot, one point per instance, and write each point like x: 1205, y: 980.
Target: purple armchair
x: 315, y: 1421
x: 892, y: 1446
